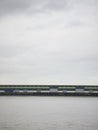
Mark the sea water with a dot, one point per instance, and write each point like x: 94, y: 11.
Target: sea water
x: 48, y: 113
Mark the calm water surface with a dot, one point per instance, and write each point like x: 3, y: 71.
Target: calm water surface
x: 48, y: 113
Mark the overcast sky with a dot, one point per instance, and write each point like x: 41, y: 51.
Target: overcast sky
x: 49, y: 42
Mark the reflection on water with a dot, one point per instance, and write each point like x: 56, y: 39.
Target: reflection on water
x: 48, y: 113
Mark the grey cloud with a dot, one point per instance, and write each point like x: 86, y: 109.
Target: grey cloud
x: 12, y: 6
x: 18, y: 6
x: 56, y: 4
x: 32, y: 6
x: 56, y: 46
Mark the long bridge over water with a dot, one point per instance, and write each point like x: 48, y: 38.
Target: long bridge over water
x: 49, y: 90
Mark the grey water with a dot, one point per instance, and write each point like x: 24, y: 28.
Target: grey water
x: 48, y: 113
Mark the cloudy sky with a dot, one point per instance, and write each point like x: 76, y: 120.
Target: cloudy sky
x: 48, y: 42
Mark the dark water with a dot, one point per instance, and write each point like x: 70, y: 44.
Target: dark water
x: 48, y: 113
